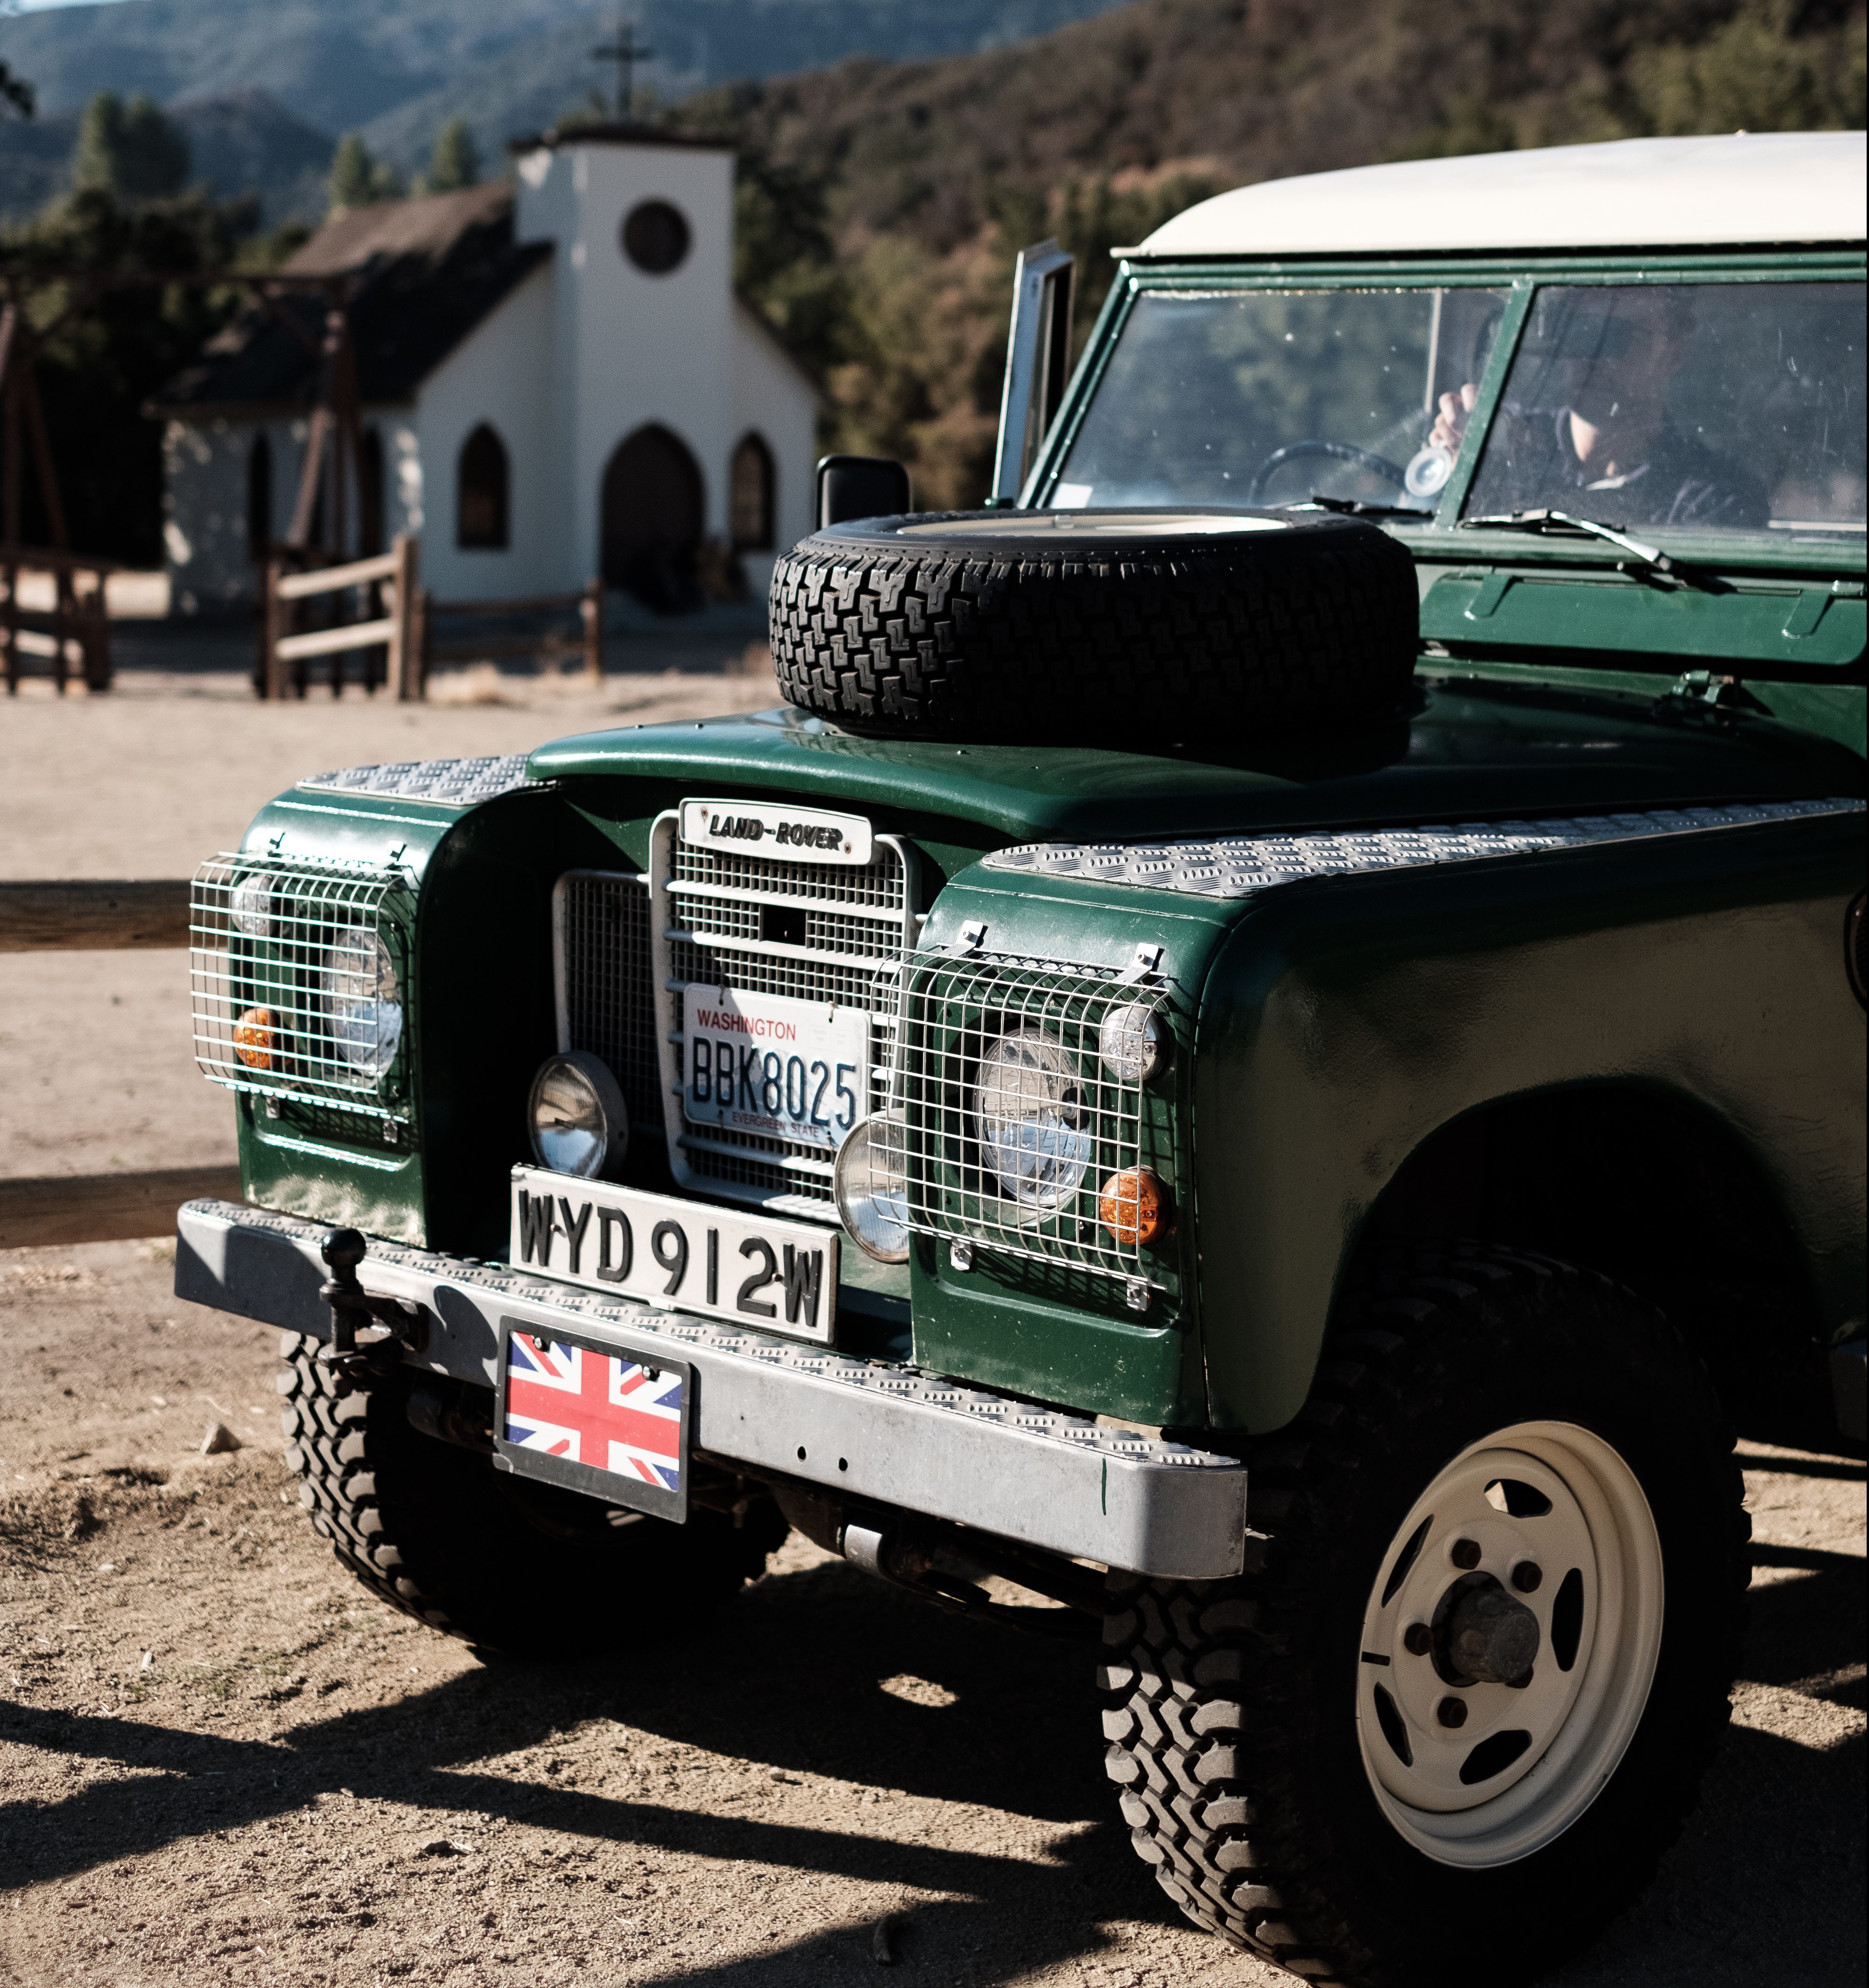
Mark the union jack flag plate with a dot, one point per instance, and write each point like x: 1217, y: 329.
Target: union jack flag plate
x: 594, y: 1417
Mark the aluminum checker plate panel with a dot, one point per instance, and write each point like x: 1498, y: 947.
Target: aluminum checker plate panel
x: 1243, y: 866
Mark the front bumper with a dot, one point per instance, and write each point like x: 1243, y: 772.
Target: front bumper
x: 865, y: 1430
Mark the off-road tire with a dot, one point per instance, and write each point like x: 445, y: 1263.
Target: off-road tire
x: 1229, y: 1705
x: 433, y: 1529
x: 1142, y: 635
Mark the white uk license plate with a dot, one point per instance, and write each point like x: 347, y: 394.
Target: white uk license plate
x: 768, y: 1064
x: 686, y: 1255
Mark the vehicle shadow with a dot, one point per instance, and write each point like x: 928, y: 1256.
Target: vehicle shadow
x: 1764, y: 1886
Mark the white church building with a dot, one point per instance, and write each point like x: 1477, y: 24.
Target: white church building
x: 556, y: 381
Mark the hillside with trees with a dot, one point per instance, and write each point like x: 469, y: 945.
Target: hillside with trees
x: 881, y: 204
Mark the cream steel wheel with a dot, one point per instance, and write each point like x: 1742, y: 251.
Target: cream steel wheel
x: 1509, y: 1644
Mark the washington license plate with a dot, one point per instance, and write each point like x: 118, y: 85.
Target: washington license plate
x: 594, y: 1417
x: 767, y: 1063
x: 755, y: 1270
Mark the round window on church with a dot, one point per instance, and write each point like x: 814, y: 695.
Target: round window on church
x: 655, y: 236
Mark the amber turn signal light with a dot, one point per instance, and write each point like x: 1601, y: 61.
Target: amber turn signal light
x: 1133, y: 1205
x: 255, y: 1039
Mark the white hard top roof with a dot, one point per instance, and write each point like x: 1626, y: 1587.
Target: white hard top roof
x: 1795, y: 186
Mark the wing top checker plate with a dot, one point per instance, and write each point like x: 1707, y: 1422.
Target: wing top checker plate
x: 582, y: 1414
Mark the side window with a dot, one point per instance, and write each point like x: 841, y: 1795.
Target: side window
x: 480, y: 497
x: 752, y: 495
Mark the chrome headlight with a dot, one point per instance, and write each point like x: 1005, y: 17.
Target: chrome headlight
x: 362, y: 1000
x: 871, y: 1188
x: 1028, y: 1114
x: 578, y: 1122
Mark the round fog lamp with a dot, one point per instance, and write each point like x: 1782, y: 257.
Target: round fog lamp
x: 578, y: 1121
x: 1133, y: 1206
x: 871, y: 1188
x: 1131, y: 1043
x: 1028, y: 1113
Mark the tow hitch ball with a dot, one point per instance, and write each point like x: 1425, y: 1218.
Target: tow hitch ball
x: 392, y: 1324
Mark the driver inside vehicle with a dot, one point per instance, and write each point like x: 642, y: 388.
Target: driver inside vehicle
x: 1598, y: 425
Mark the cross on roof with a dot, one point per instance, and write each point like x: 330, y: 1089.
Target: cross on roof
x: 626, y: 51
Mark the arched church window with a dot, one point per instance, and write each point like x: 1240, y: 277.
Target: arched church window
x: 752, y: 495
x: 480, y: 503
x: 259, y: 497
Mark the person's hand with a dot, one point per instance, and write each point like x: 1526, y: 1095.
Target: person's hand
x: 1450, y: 423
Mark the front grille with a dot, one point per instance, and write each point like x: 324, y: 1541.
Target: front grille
x: 728, y: 919
x: 606, y: 1005
x: 298, y: 974
x: 953, y: 1011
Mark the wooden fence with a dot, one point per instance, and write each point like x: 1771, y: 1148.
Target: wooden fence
x: 73, y: 635
x: 395, y: 627
x: 100, y: 1207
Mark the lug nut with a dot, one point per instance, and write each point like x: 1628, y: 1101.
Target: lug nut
x: 1417, y: 1639
x: 1451, y: 1712
x: 1527, y: 1576
x: 1465, y: 1553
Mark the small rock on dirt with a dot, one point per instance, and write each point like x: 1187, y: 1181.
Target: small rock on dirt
x: 883, y: 1936
x: 219, y: 1440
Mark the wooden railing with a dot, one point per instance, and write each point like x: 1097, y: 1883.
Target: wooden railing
x: 398, y: 629
x: 54, y: 1211
x: 74, y: 630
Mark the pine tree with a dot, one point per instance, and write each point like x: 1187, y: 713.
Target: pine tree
x: 356, y: 179
x: 456, y: 163
x: 129, y: 151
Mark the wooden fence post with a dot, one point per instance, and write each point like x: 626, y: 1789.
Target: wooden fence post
x: 406, y: 681
x: 272, y: 623
x: 95, y: 643
x: 591, y: 606
x: 9, y: 628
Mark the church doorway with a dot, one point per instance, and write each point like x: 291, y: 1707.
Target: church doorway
x: 655, y: 511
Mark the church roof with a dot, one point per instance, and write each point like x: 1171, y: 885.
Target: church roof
x: 422, y: 274
x: 652, y: 135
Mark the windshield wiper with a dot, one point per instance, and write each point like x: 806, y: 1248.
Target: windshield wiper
x: 1651, y: 559
x: 1351, y: 507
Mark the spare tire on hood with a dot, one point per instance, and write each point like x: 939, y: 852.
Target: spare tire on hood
x: 1107, y: 626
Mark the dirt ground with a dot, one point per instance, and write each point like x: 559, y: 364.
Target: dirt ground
x: 221, y: 1762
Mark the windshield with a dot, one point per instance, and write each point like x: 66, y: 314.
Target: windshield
x: 1265, y: 396
x: 1722, y: 407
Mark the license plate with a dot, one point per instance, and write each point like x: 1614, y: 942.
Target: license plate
x: 594, y: 1417
x: 767, y: 1063
x: 776, y: 1277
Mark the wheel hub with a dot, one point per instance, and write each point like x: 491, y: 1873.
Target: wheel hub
x: 1509, y: 1643
x: 1482, y: 1636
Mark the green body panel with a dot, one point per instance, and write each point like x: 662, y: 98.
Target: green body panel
x: 1817, y: 627
x: 1350, y: 1019
x: 1479, y: 750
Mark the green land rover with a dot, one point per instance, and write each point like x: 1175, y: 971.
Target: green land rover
x: 1267, y: 1050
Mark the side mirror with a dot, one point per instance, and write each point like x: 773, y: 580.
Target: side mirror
x: 860, y: 486
x: 1038, y: 361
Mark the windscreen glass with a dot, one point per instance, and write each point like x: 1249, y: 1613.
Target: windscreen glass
x: 1705, y: 406
x: 1266, y: 396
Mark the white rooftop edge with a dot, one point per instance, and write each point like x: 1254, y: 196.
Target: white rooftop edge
x: 1770, y: 187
